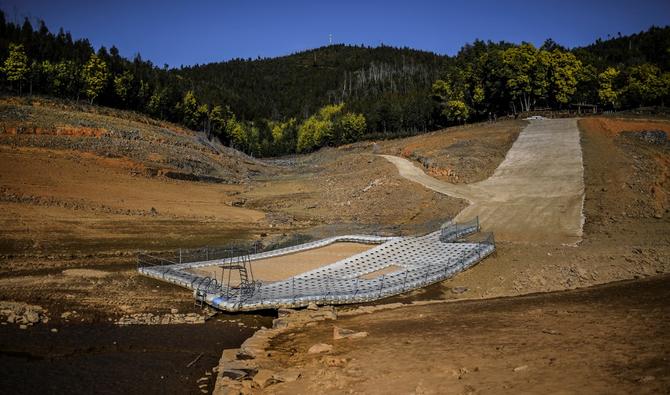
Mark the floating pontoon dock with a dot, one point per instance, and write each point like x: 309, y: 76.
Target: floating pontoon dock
x: 407, y: 263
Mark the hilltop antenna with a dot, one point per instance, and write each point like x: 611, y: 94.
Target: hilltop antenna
x: 330, y: 39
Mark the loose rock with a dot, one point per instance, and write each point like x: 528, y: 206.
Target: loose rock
x: 287, y: 376
x: 341, y: 333
x: 264, y: 377
x: 320, y: 348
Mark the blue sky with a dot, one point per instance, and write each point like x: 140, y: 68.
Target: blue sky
x: 190, y: 32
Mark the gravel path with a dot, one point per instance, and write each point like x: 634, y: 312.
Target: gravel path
x: 535, y: 195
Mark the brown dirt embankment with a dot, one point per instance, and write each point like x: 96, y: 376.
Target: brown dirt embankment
x: 535, y: 195
x: 607, y: 339
x: 84, y: 187
x: 459, y: 155
x: 625, y: 236
x: 535, y: 343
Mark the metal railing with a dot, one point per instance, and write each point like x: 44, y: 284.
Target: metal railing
x: 452, y: 231
x: 422, y: 261
x: 206, y: 253
x: 299, y: 291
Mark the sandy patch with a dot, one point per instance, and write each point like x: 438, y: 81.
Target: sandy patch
x: 381, y: 272
x: 85, y: 273
x: 286, y: 266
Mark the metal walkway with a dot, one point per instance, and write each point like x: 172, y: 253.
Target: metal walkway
x: 408, y: 262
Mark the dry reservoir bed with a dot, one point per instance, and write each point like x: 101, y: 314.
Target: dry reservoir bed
x: 286, y: 266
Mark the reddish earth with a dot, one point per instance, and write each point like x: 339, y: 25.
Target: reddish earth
x: 74, y: 201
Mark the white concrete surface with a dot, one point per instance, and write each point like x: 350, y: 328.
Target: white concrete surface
x: 536, y: 194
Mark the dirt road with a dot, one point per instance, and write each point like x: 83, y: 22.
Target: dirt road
x: 535, y: 195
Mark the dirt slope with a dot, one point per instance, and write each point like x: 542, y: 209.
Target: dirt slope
x: 536, y: 193
x: 83, y: 188
x: 609, y: 339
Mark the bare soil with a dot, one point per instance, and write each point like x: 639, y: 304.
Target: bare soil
x: 463, y: 154
x: 625, y: 236
x: 607, y: 339
x: 610, y: 339
x: 84, y: 187
x: 535, y: 195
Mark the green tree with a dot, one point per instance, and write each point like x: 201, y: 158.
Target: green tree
x: 587, y: 85
x: 478, y: 94
x: 607, y: 92
x: 144, y: 93
x: 527, y: 71
x: 665, y: 87
x: 519, y: 63
x: 451, y: 101
x: 123, y: 85
x: 456, y: 111
x: 285, y: 135
x: 644, y: 85
x: 540, y: 75
x: 34, y: 75
x: 441, y: 90
x: 318, y: 130
x: 203, y: 118
x: 16, y: 65
x: 187, y: 108
x: 311, y: 131
x: 95, y: 75
x: 237, y: 133
x: 61, y: 79
x: 157, y: 104
x: 565, y: 69
x: 350, y: 127
x: 217, y: 121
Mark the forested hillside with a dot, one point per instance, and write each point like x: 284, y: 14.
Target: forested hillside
x: 341, y: 93
x: 299, y: 84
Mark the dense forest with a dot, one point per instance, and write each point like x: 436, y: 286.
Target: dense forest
x: 341, y: 93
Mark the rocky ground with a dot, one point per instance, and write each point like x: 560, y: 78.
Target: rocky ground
x: 449, y: 156
x: 82, y: 189
x: 606, y: 339
x: 22, y: 314
x: 79, y: 198
x: 625, y: 238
